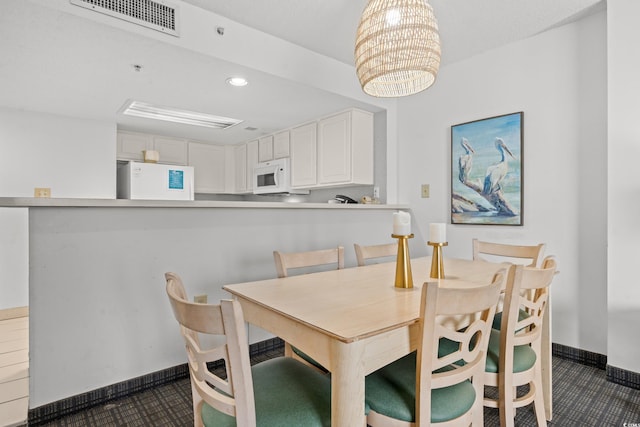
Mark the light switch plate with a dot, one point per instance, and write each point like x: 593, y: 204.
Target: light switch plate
x: 425, y: 191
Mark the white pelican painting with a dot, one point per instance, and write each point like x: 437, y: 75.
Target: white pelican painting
x: 486, y: 171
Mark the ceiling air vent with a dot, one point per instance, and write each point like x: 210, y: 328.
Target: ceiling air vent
x: 158, y: 15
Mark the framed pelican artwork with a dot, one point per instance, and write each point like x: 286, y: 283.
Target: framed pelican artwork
x: 486, y: 171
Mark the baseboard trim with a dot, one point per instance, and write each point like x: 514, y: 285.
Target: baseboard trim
x: 623, y: 377
x: 14, y: 313
x: 52, y: 411
x: 577, y: 355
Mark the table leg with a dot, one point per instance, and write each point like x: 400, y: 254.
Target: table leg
x: 347, y: 384
x: 288, y: 351
x: 546, y: 362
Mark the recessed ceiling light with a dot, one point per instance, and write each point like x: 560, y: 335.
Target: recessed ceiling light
x: 150, y: 111
x: 237, y: 81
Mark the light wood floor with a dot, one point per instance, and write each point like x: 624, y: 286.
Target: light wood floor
x: 14, y: 371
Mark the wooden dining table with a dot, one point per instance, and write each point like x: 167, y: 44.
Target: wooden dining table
x: 354, y: 321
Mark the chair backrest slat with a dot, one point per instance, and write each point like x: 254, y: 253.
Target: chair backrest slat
x: 286, y: 261
x: 364, y: 253
x: 516, y: 253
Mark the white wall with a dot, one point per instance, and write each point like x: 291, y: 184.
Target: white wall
x: 624, y: 184
x: 558, y: 79
x: 99, y: 313
x: 14, y: 257
x: 73, y: 157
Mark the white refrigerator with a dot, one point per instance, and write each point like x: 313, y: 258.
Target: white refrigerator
x: 152, y: 181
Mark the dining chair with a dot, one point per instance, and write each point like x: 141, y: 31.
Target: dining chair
x: 279, y: 391
x: 364, y: 253
x: 295, y: 260
x: 528, y: 255
x: 435, y: 385
x: 514, y: 356
x: 517, y: 254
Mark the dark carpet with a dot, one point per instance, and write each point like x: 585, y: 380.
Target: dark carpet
x: 582, y: 397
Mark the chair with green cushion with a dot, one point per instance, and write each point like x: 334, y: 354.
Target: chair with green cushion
x: 529, y: 255
x: 301, y: 261
x: 424, y: 388
x: 514, y: 355
x: 277, y: 392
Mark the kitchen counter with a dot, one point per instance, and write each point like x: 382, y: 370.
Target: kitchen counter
x: 28, y: 202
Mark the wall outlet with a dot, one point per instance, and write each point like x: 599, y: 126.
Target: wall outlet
x: 425, y: 191
x: 42, y: 192
x: 376, y: 192
x: 200, y: 299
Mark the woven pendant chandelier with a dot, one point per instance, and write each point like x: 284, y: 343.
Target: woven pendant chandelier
x: 397, y: 47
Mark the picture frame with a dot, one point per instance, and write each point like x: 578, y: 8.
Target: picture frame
x: 487, y: 171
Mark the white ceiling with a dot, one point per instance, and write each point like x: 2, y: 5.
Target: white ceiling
x: 467, y: 27
x: 58, y: 62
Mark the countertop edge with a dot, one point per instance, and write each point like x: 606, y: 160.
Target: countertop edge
x: 32, y: 202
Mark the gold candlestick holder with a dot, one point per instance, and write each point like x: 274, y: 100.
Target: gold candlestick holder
x: 437, y: 262
x: 403, y: 262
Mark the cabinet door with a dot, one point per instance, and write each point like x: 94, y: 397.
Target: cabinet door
x: 303, y: 155
x: 241, y: 168
x: 130, y: 145
x: 281, y: 145
x: 172, y: 151
x: 208, y: 161
x: 252, y: 160
x: 361, y: 147
x: 265, y: 148
x: 334, y: 149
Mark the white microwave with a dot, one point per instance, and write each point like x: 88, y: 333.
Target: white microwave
x: 274, y: 177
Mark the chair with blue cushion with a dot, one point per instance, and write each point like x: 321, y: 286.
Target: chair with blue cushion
x: 425, y: 387
x: 514, y: 356
x: 277, y: 392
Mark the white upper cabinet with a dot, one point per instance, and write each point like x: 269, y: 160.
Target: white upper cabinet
x: 172, y: 151
x: 304, y: 156
x: 209, y: 163
x: 334, y: 149
x: 345, y: 149
x: 281, y: 145
x: 265, y: 148
x: 130, y: 146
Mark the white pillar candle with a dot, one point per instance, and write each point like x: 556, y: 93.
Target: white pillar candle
x: 437, y: 232
x: 401, y: 223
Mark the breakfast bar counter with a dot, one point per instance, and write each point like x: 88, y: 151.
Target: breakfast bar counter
x: 28, y: 202
x: 96, y: 271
